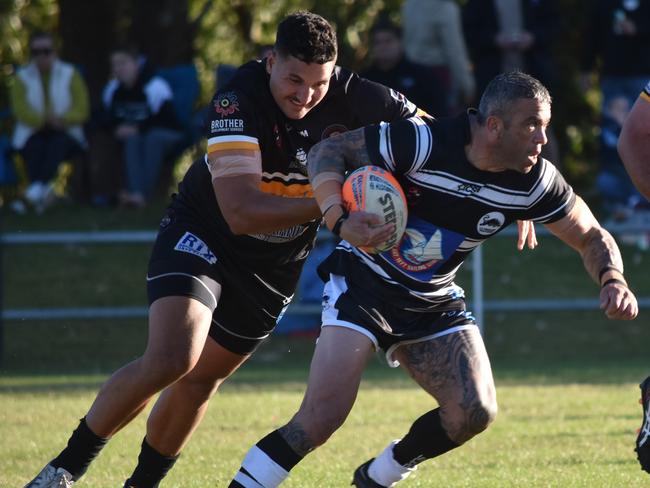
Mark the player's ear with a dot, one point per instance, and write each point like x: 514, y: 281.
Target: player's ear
x: 494, y: 126
x: 270, y: 61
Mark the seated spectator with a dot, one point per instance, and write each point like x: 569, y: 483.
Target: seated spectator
x: 391, y: 68
x: 620, y: 197
x: 49, y: 100
x: 137, y: 126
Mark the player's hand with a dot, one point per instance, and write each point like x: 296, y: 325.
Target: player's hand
x: 364, y: 229
x: 618, y: 302
x: 527, y: 234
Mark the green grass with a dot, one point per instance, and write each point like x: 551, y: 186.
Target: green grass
x: 567, y: 381
x: 577, y: 432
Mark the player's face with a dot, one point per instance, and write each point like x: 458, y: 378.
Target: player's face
x: 524, y: 134
x: 297, y: 87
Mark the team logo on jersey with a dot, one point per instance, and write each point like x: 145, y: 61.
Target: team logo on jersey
x: 490, y: 223
x: 191, y: 244
x: 332, y: 130
x: 301, y: 156
x: 226, y: 104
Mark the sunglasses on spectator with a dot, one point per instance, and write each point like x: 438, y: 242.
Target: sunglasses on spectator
x: 42, y: 51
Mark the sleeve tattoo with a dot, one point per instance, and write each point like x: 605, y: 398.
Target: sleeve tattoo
x: 338, y: 153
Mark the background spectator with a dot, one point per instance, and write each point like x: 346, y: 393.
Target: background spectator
x: 391, y: 68
x: 504, y: 35
x: 49, y: 100
x: 507, y: 35
x: 433, y: 36
x: 616, y: 46
x: 138, y: 125
x: 614, y: 185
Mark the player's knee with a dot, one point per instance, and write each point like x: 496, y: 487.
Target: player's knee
x: 480, y: 416
x: 463, y: 423
x: 169, y: 367
x: 199, y: 388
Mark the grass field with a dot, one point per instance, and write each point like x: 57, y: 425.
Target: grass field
x: 558, y: 426
x: 567, y: 381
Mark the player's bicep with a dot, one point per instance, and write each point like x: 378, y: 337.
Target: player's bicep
x: 227, y: 158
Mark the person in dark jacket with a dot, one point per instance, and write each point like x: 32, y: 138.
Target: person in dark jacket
x: 137, y: 119
x: 390, y: 67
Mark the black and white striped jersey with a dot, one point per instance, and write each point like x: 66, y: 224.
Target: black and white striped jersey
x: 453, y: 207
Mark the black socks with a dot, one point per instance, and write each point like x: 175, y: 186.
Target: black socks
x: 426, y: 439
x: 83, y: 446
x: 151, y: 469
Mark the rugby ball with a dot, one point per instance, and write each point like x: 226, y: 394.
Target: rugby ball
x: 373, y: 189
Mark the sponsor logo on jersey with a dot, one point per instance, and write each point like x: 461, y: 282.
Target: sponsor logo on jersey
x: 304, y: 133
x: 423, y: 249
x: 282, y: 235
x: 490, y: 223
x: 226, y: 125
x: 468, y: 188
x: 332, y: 130
x: 226, y: 104
x: 191, y: 244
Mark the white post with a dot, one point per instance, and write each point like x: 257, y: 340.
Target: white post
x: 477, y: 286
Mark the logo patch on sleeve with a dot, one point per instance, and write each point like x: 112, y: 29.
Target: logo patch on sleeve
x: 193, y: 245
x: 226, y: 104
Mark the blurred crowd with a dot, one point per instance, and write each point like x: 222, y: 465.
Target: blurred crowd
x: 440, y: 56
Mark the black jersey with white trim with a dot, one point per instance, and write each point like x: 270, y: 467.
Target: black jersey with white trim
x: 244, y: 115
x: 453, y: 206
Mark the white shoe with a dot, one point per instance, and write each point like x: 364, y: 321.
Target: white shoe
x: 34, y: 193
x: 51, y: 477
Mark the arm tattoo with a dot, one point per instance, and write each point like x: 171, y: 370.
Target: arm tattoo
x: 296, y: 437
x: 338, y: 153
x: 601, y: 250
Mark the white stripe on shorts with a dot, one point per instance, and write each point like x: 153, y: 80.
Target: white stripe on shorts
x: 333, y: 289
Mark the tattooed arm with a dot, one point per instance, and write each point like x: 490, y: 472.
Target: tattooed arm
x: 601, y: 257
x: 326, y: 163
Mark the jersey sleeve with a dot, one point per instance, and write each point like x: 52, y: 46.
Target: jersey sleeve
x: 232, y: 134
x: 555, y: 197
x: 401, y: 147
x: 374, y: 102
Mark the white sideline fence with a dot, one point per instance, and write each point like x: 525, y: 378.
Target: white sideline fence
x: 479, y: 304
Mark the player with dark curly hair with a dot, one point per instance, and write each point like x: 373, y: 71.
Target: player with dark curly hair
x: 231, y: 245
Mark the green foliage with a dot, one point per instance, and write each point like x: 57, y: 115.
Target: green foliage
x: 231, y: 32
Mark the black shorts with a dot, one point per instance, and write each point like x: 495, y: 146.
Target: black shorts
x: 185, y: 261
x: 384, y: 322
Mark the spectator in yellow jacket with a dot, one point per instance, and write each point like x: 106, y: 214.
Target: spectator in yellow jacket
x: 49, y: 100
